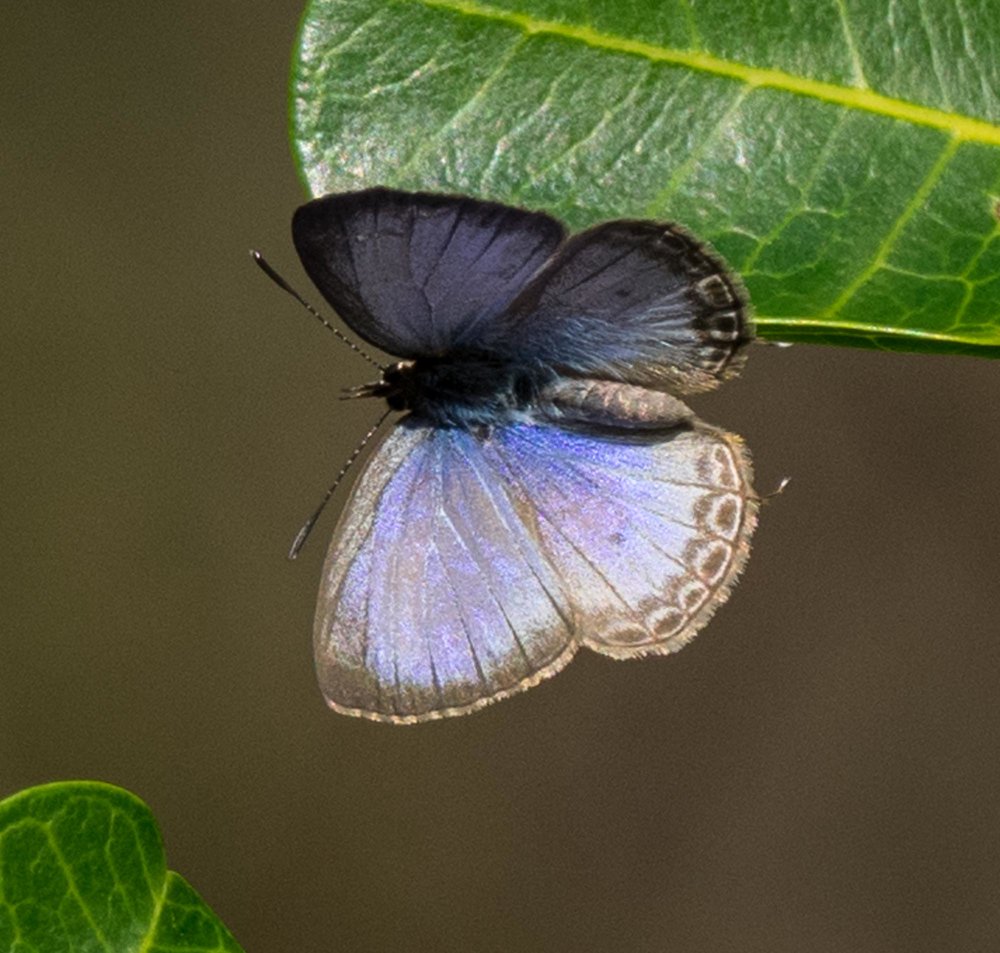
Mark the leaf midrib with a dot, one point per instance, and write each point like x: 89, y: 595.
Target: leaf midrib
x: 959, y: 127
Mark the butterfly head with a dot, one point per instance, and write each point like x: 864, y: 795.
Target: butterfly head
x: 391, y: 386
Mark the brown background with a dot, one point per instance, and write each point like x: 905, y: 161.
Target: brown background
x: 817, y: 772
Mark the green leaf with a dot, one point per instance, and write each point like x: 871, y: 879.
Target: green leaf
x: 844, y: 156
x: 82, y: 868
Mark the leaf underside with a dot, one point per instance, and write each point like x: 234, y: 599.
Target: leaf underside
x: 82, y: 868
x: 843, y: 156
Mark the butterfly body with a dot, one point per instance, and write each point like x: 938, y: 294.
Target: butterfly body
x: 463, y: 389
x: 546, y: 489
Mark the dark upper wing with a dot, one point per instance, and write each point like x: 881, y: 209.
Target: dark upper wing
x: 417, y: 273
x: 642, y: 302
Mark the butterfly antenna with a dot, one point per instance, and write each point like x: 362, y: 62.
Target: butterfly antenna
x: 285, y: 286
x: 303, y: 534
x: 777, y: 491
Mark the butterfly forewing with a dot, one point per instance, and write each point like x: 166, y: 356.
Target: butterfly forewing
x: 419, y: 273
x: 641, y: 302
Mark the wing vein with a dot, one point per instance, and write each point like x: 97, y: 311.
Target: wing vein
x: 446, y: 574
x: 548, y: 519
x: 460, y: 540
x: 490, y: 488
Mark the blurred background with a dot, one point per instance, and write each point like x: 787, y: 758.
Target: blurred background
x: 818, y: 771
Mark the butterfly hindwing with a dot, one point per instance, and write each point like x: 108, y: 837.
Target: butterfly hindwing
x: 468, y: 567
x: 419, y: 273
x: 433, y: 599
x: 648, y: 531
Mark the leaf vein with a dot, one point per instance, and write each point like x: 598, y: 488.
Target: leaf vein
x: 888, y: 243
x: 852, y: 49
x: 463, y: 110
x: 960, y: 126
x: 803, y: 205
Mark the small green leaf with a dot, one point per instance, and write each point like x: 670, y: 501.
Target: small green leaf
x: 843, y: 156
x: 82, y: 868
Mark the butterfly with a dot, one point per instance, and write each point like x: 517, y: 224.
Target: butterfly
x: 546, y: 488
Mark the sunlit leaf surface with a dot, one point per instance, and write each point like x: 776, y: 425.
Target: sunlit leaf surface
x: 843, y: 155
x: 82, y: 868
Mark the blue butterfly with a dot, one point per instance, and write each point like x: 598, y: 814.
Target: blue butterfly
x: 546, y: 488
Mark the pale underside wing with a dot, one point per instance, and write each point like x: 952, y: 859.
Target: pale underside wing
x: 466, y: 568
